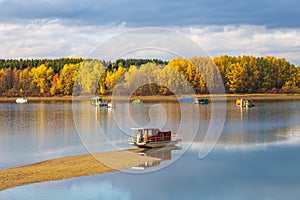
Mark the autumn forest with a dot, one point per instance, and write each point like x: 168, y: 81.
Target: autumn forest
x: 77, y: 76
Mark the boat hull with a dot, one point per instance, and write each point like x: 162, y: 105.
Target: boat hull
x: 154, y: 144
x: 21, y: 100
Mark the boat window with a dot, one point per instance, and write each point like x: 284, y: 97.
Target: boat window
x: 149, y: 132
x: 140, y: 131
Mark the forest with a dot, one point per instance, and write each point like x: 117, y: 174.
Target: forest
x: 82, y: 76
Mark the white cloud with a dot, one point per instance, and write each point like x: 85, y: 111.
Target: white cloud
x: 52, y: 39
x: 249, y: 40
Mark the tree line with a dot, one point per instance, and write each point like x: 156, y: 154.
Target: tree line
x: 79, y: 76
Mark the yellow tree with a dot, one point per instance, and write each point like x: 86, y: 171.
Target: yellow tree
x: 88, y: 77
x: 6, y: 80
x: 237, y: 78
x: 1, y: 81
x: 189, y: 71
x: 42, y: 77
x: 25, y: 80
x: 67, y: 78
x: 54, y: 88
x: 298, y: 77
x: 112, y: 78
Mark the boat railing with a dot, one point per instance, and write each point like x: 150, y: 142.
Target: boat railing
x: 131, y: 140
x: 176, y: 138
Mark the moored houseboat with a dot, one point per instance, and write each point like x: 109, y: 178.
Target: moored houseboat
x: 244, y: 103
x: 97, y: 101
x: 187, y: 100
x: 201, y: 101
x: 21, y: 100
x: 152, y: 138
x: 136, y: 101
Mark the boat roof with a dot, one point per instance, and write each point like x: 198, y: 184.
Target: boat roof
x: 142, y: 128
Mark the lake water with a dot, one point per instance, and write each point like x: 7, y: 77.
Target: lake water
x: 256, y: 157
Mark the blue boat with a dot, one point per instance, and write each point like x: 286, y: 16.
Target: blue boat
x: 187, y: 100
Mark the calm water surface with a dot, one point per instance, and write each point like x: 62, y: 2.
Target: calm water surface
x: 257, y: 156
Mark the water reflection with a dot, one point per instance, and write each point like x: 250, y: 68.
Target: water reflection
x: 256, y: 157
x: 164, y: 154
x: 36, y: 131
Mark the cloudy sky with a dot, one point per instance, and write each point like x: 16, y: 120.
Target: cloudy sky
x: 64, y: 28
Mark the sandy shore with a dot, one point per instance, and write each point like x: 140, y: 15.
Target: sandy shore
x: 72, y: 166
x: 166, y: 98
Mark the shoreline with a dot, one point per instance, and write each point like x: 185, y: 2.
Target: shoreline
x: 164, y: 98
x: 72, y: 167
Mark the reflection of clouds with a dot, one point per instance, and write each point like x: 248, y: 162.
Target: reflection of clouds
x: 289, y: 132
x: 76, y: 190
x: 286, y: 137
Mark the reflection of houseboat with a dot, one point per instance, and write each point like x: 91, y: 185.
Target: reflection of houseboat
x: 244, y: 103
x: 147, y: 164
x: 201, y: 101
x: 97, y: 101
x: 21, y: 100
x: 152, y: 138
x: 163, y: 154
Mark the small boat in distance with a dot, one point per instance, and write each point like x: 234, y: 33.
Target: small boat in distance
x: 110, y: 105
x: 152, y: 138
x: 244, y: 103
x: 97, y: 101
x: 136, y: 101
x: 187, y: 100
x: 21, y: 100
x: 201, y: 101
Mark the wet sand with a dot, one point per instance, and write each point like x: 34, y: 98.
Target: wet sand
x: 72, y: 166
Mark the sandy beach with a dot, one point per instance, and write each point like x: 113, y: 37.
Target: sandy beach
x: 72, y: 166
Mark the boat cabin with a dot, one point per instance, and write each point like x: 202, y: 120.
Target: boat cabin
x: 151, y: 137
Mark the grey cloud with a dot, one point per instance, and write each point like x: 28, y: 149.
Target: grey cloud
x: 137, y: 13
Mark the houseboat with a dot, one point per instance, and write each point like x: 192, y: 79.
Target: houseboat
x: 201, y: 101
x: 152, y: 138
x: 97, y: 101
x: 110, y: 105
x: 187, y: 100
x: 21, y: 100
x: 244, y: 103
x: 137, y: 101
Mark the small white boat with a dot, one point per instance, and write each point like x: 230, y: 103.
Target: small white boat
x: 152, y: 138
x: 110, y: 105
x: 21, y: 100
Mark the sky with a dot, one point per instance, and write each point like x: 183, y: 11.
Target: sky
x: 73, y: 28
